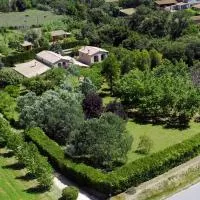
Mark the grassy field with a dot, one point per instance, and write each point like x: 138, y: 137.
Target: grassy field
x: 27, y: 18
x: 162, y: 137
x: 14, y: 184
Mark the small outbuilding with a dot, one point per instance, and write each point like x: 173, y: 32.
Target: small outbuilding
x: 26, y: 45
x: 59, y: 35
x: 165, y: 3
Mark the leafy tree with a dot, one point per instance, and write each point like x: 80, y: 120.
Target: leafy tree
x: 166, y: 92
x: 38, y: 85
x: 103, y: 142
x: 111, y: 70
x: 87, y: 86
x: 156, y: 58
x: 56, y: 112
x: 94, y: 74
x: 13, y: 91
x: 92, y: 105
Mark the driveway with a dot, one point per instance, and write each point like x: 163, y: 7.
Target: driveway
x: 191, y: 193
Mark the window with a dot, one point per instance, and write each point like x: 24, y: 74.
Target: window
x: 103, y: 56
x: 96, y: 59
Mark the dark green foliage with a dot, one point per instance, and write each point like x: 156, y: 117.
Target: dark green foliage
x: 10, y: 60
x: 166, y: 92
x: 111, y: 70
x: 119, y: 180
x: 87, y: 86
x: 70, y: 193
x: 56, y: 112
x: 9, y: 77
x: 102, y: 142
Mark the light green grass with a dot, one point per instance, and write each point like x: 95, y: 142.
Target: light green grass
x: 27, y: 18
x: 13, y: 188
x: 162, y: 137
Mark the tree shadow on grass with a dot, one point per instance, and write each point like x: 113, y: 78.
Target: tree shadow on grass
x: 15, y: 166
x: 27, y: 177
x: 7, y: 154
x: 36, y: 190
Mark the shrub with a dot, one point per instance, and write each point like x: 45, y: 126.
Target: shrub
x: 119, y: 180
x: 70, y: 193
x: 27, y: 154
x: 145, y: 145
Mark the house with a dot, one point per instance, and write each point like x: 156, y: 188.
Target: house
x: 31, y: 69
x: 165, y: 3
x: 59, y: 35
x: 89, y: 55
x: 196, y: 19
x: 52, y: 59
x: 127, y: 11
x: 26, y: 45
x: 196, y: 7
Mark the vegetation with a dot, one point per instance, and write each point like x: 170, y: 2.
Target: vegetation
x: 102, y: 142
x: 70, y: 193
x: 27, y: 154
x: 15, y: 182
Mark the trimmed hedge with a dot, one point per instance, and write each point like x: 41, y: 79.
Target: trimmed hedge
x: 70, y: 193
x: 72, y: 44
x: 20, y: 57
x: 122, y: 178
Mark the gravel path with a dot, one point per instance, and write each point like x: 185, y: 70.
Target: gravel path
x: 61, y: 182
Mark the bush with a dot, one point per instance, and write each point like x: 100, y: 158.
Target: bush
x: 70, y: 193
x: 27, y: 154
x: 145, y: 145
x: 119, y: 180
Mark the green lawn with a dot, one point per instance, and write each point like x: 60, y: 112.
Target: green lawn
x: 27, y: 18
x: 161, y: 137
x: 14, y: 187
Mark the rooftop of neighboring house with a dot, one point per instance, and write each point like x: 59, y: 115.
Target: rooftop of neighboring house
x: 26, y: 44
x: 128, y: 11
x: 59, y: 33
x: 90, y: 50
x: 165, y: 2
x: 31, y: 68
x: 197, y: 6
x: 49, y: 56
x: 196, y: 19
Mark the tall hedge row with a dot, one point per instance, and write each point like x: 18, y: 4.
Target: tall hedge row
x: 124, y: 177
x: 27, y: 154
x: 20, y: 57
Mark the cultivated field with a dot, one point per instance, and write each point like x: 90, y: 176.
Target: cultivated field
x: 27, y: 18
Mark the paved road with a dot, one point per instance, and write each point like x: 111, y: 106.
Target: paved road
x: 191, y: 193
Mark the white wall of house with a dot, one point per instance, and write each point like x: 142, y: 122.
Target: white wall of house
x: 91, y: 59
